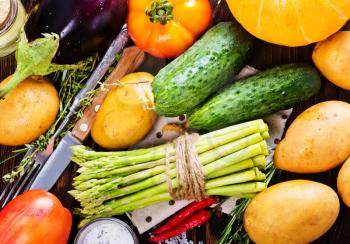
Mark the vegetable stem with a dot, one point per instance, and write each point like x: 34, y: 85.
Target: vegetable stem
x: 160, y: 11
x: 236, y: 190
x: 258, y: 161
x: 12, y: 83
x: 250, y: 175
x: 34, y: 58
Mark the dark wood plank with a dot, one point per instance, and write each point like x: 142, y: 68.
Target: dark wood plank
x: 266, y: 55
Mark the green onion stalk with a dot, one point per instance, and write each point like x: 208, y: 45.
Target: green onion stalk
x: 113, y: 183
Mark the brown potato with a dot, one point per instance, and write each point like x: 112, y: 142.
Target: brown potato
x: 343, y: 182
x: 126, y: 115
x: 332, y: 57
x: 27, y: 111
x: 293, y: 212
x: 318, y: 139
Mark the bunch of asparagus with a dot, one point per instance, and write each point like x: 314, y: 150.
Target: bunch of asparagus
x: 113, y: 183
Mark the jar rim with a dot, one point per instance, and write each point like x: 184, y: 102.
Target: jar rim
x: 11, y: 17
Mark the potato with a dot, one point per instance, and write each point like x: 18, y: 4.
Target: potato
x: 293, y: 212
x: 126, y: 115
x: 27, y: 111
x: 332, y: 57
x: 343, y: 182
x: 318, y: 139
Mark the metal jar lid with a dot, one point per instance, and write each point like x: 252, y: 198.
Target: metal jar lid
x: 5, y: 9
x: 106, y: 231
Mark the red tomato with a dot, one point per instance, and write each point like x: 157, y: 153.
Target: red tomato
x: 35, y: 217
x: 166, y: 28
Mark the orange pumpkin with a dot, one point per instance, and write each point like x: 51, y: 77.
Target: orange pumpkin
x: 291, y: 23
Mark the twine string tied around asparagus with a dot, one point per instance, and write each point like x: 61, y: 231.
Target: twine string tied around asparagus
x: 189, y: 172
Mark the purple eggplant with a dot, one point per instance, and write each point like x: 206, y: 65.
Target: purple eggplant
x: 84, y: 26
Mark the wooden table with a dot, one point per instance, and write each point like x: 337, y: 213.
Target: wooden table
x: 266, y: 56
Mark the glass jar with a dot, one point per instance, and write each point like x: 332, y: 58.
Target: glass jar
x: 106, y: 230
x: 12, y: 19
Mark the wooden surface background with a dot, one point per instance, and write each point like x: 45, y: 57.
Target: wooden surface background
x: 266, y: 56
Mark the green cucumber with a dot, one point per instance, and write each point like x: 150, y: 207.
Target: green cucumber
x: 256, y: 96
x: 203, y: 69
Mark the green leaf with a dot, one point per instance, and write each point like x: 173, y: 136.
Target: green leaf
x: 35, y: 58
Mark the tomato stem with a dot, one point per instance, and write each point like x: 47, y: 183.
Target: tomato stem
x: 160, y: 11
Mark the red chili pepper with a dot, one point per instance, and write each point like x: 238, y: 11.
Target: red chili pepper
x: 185, y: 213
x: 195, y: 220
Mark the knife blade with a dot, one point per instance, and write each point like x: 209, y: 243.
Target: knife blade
x: 59, y: 160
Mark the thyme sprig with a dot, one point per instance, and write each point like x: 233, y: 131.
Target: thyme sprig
x: 69, y: 83
x: 234, y: 231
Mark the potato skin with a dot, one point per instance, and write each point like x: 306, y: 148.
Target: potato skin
x: 125, y: 116
x: 293, y: 212
x: 343, y: 182
x: 332, y: 57
x: 318, y: 139
x: 27, y: 111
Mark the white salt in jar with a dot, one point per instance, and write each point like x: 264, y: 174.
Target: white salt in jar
x: 106, y: 231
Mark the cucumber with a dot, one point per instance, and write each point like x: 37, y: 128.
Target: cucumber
x: 201, y: 70
x: 256, y: 96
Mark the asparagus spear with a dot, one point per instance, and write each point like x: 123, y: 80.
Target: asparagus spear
x: 258, y: 161
x: 205, y: 158
x: 202, y: 145
x: 102, y: 195
x: 83, y: 154
x: 253, y: 174
x: 233, y: 190
x: 151, y: 196
x: 90, y: 218
x: 245, y: 176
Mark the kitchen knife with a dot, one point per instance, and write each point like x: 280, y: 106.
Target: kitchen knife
x: 131, y: 59
x: 100, y: 71
x: 116, y: 46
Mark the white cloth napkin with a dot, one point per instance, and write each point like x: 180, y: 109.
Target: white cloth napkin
x: 146, y: 218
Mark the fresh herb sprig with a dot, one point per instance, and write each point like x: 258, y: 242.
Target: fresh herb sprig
x: 69, y: 82
x: 234, y: 232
